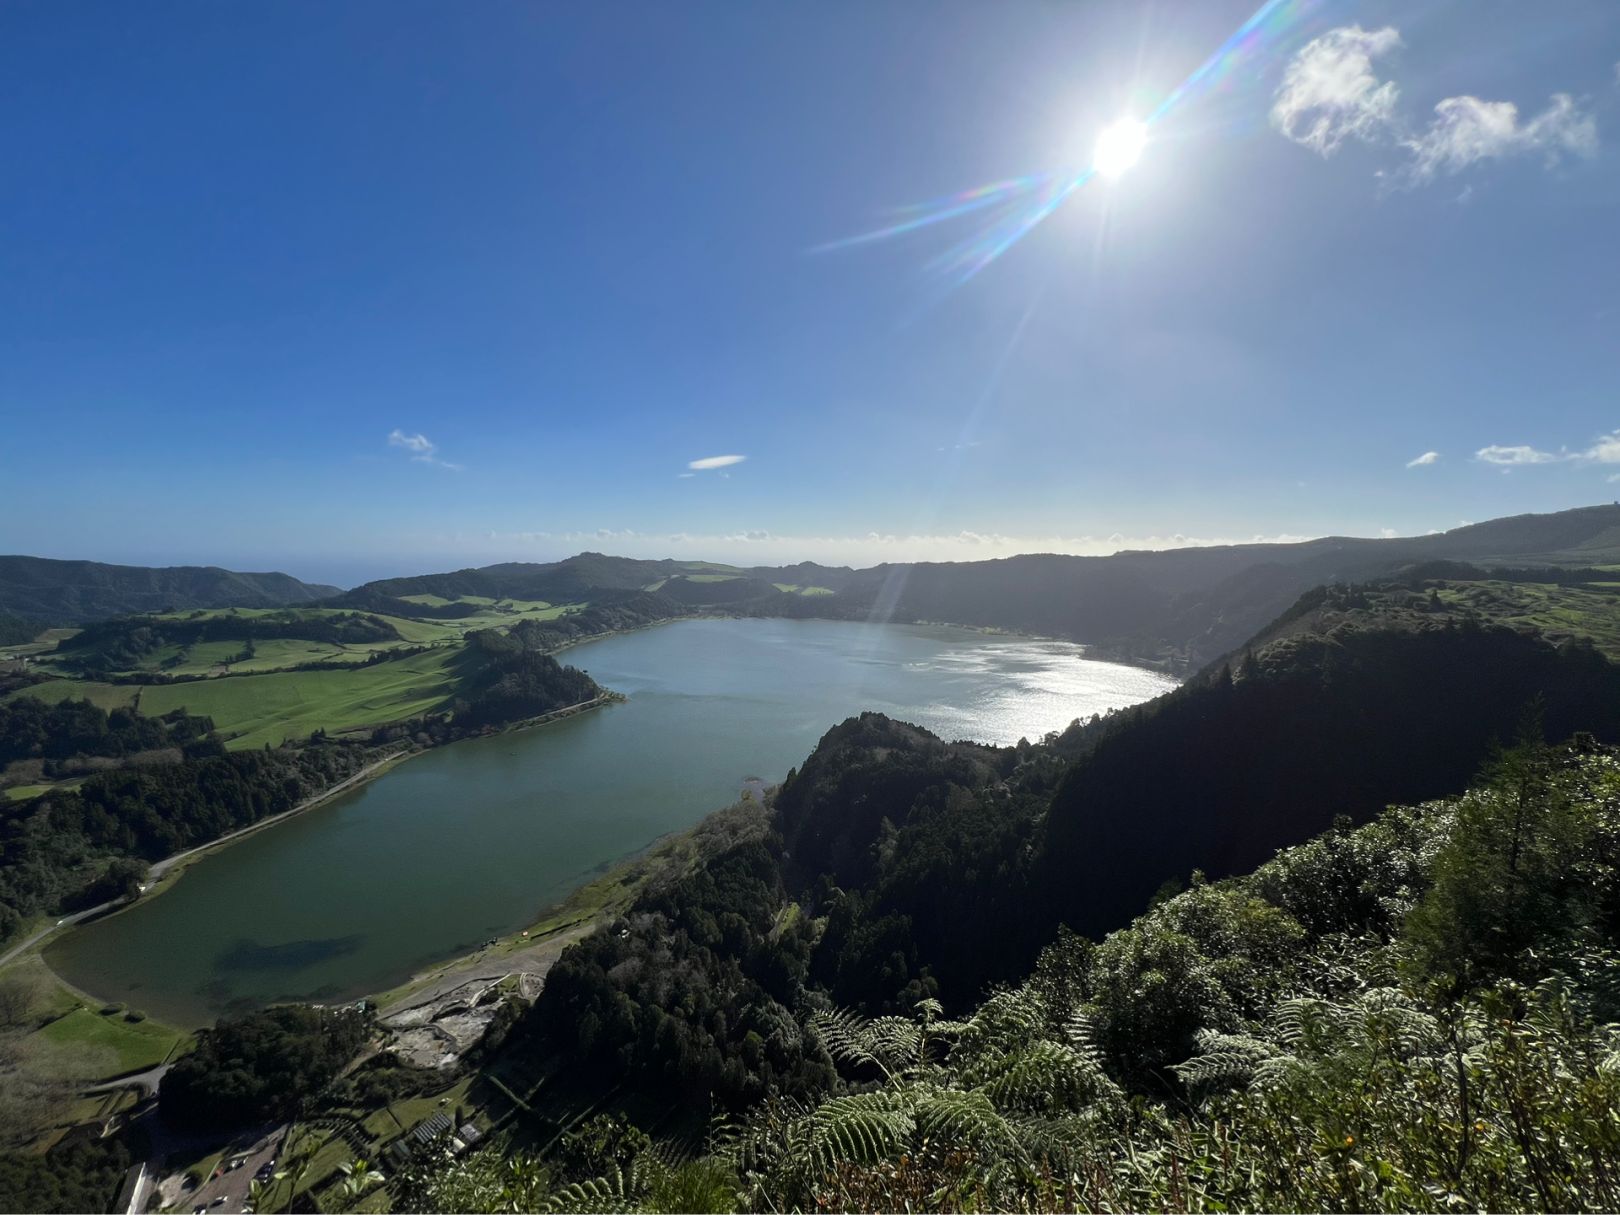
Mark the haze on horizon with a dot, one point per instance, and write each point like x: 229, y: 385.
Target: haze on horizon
x: 397, y: 290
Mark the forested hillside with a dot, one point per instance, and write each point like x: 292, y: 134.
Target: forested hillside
x: 1418, y: 1014
x: 71, y: 592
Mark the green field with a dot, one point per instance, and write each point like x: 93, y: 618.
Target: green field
x: 76, y: 1043
x: 793, y: 588
x: 281, y: 654
x: 1561, y: 613
x: 128, y: 1045
x: 253, y: 710
x: 263, y: 700
x: 21, y: 793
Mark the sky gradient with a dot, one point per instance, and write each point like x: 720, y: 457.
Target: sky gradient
x: 372, y: 288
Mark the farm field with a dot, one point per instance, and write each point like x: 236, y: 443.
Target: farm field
x: 252, y: 710
x: 263, y: 698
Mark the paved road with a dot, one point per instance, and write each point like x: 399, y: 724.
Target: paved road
x: 232, y: 1185
x: 159, y: 868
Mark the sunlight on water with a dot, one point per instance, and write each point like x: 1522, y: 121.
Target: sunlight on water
x: 474, y: 840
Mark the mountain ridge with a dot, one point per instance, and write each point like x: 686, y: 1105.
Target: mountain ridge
x: 75, y: 592
x: 1178, y: 608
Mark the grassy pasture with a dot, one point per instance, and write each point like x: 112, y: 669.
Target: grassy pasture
x: 268, y: 708
x: 127, y: 1045
x: 264, y: 701
x: 793, y: 588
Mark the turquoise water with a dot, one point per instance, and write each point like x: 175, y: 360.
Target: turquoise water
x: 474, y: 840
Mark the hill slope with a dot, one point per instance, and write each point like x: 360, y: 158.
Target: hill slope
x: 74, y: 592
x: 1179, y: 607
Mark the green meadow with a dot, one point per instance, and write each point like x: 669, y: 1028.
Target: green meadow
x: 251, y: 710
x: 1561, y: 613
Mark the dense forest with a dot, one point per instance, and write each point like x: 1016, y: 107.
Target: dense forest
x: 1415, y: 1014
x: 509, y: 676
x: 272, y: 1063
x: 30, y: 729
x: 19, y: 630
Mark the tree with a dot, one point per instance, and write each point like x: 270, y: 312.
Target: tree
x: 1511, y: 878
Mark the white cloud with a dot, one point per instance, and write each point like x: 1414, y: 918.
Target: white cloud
x: 1519, y: 454
x: 1428, y: 457
x: 1330, y: 93
x: 1387, y: 533
x: 423, y: 450
x: 1605, y: 451
x: 1466, y: 130
x: 416, y: 443
x: 715, y: 462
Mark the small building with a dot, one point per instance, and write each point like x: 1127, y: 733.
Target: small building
x: 434, y: 1127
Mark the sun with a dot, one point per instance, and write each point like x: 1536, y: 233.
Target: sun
x: 1119, y: 147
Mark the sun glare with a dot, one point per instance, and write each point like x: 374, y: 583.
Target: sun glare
x: 1119, y: 147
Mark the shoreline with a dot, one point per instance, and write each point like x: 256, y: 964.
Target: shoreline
x: 162, y: 874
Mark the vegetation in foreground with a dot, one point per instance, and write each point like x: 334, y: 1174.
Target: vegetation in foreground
x: 1417, y: 1014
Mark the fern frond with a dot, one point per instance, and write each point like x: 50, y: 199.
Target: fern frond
x: 970, y: 1118
x: 862, y: 1128
x: 846, y: 1037
x: 1223, y: 1059
x: 1045, y: 1075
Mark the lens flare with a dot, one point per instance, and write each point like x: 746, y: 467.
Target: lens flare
x: 1119, y: 147
x: 1014, y: 208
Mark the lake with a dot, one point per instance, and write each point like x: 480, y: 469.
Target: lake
x: 474, y: 840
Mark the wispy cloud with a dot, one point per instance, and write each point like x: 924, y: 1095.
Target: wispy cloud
x: 1466, y: 130
x: 1428, y: 457
x: 423, y: 450
x: 1330, y: 93
x: 1605, y: 449
x: 708, y: 462
x: 1516, y: 454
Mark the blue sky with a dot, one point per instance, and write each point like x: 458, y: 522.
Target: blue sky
x: 355, y: 289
